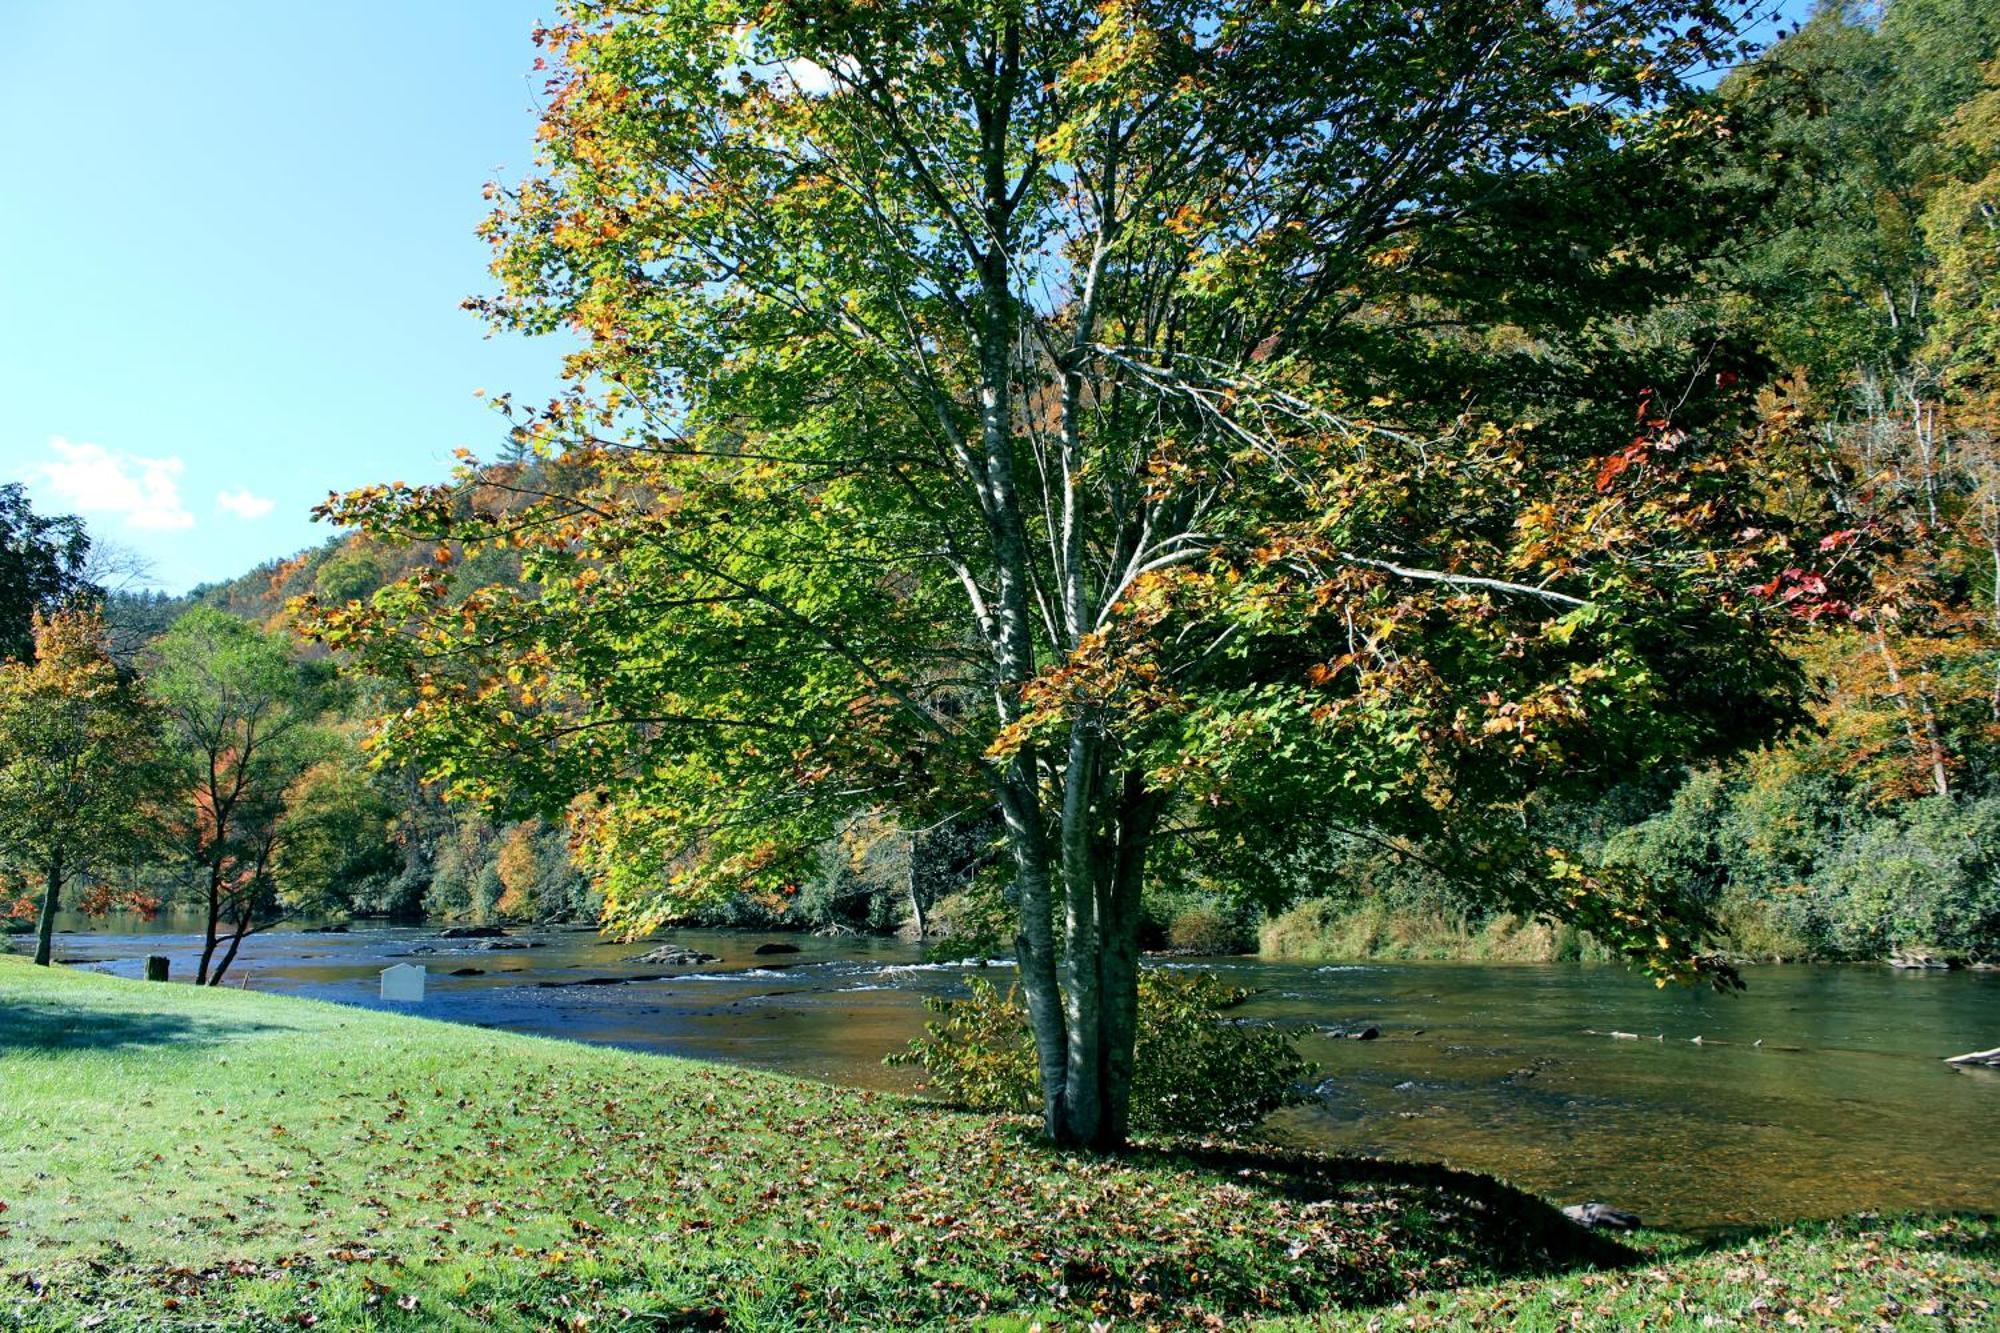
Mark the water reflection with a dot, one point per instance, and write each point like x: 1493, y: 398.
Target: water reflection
x: 1820, y: 1091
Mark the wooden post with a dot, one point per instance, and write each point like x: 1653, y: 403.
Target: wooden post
x: 156, y: 967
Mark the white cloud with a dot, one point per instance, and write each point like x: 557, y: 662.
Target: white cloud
x: 90, y: 479
x: 810, y: 77
x: 242, y: 504
x: 790, y: 74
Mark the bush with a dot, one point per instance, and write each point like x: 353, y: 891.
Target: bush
x: 1321, y: 930
x: 979, y: 922
x: 1795, y: 866
x: 1205, y: 930
x: 1194, y: 1072
x: 1926, y: 877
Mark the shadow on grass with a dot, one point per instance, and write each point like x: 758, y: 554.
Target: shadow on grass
x: 1518, y: 1233
x: 27, y: 1026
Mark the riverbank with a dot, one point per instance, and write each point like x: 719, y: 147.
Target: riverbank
x: 181, y: 1157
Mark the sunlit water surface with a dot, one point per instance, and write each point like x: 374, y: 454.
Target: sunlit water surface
x: 1818, y: 1091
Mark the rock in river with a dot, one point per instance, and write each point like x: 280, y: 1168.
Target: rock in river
x: 1915, y: 960
x: 766, y: 950
x: 471, y: 933
x: 673, y: 955
x: 1601, y: 1216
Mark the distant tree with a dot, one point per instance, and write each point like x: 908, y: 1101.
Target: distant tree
x: 334, y: 845
x: 77, y: 748
x: 519, y: 869
x: 241, y: 714
x: 44, y: 562
x: 347, y: 575
x: 136, y: 618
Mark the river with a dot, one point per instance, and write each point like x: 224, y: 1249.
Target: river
x: 1819, y: 1091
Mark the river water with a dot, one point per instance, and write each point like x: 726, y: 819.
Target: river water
x: 1819, y: 1091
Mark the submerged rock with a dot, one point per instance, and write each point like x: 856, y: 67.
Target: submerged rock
x: 1596, y: 1216
x: 765, y: 950
x: 1916, y: 961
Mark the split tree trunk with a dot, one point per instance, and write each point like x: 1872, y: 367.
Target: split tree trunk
x: 1084, y: 1014
x: 242, y: 928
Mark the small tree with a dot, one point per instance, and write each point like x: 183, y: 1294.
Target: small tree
x: 240, y: 713
x: 77, y: 744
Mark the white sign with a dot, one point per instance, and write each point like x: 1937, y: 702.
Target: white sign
x: 403, y: 983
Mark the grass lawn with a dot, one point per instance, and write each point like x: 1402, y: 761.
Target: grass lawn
x: 178, y: 1158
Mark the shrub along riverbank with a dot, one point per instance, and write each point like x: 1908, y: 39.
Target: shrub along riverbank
x: 186, y: 1158
x: 1322, y: 930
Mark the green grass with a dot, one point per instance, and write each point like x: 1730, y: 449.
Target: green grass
x: 1916, y: 1273
x: 179, y: 1158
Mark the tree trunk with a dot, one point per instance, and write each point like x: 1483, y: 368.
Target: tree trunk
x: 1034, y: 946
x: 1138, y: 812
x: 208, y: 934
x: 916, y: 893
x: 51, y: 900
x: 1083, y: 994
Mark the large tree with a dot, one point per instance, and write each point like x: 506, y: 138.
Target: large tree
x: 987, y: 405
x: 77, y: 744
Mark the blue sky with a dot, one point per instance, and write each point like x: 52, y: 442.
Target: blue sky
x: 233, y: 240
